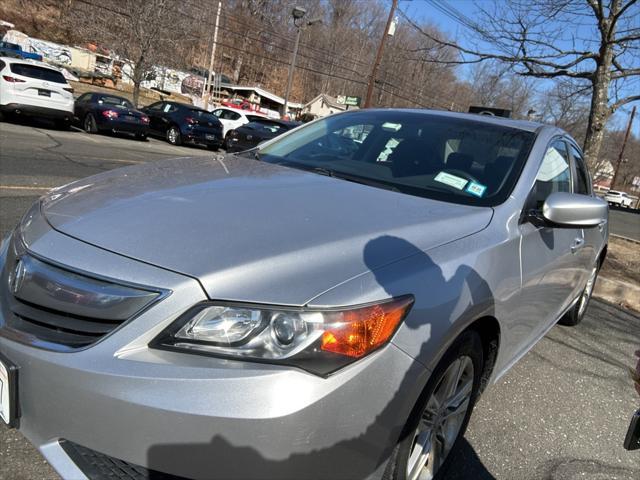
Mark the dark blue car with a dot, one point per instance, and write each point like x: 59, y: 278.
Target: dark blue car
x: 181, y: 123
x: 96, y: 112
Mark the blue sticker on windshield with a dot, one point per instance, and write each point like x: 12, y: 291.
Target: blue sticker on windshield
x: 476, y: 189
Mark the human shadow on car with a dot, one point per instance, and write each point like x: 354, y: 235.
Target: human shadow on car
x: 229, y: 458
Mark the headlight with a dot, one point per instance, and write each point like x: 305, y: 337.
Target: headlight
x: 317, y: 340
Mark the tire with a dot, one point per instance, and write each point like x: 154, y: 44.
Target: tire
x: 225, y: 143
x: 574, y: 316
x: 141, y: 136
x: 408, y: 459
x: 214, y: 148
x: 173, y: 135
x: 89, y: 124
x: 1, y: 117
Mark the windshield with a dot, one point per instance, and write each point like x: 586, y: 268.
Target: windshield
x: 115, y: 101
x: 435, y: 156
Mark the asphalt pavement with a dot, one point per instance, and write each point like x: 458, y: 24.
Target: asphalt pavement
x: 625, y: 223
x: 560, y: 413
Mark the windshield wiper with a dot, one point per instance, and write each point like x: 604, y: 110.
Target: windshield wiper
x: 355, y: 178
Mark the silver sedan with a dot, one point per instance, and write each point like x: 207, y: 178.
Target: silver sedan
x: 328, y: 305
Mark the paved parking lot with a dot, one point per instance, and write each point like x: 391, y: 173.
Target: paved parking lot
x: 560, y: 413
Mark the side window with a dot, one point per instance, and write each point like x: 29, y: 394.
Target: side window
x: 218, y: 112
x: 554, y: 175
x: 156, y: 107
x: 2, y: 65
x: 581, y: 182
x: 233, y: 115
x: 85, y: 97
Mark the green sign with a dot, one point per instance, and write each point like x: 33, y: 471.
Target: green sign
x: 349, y: 101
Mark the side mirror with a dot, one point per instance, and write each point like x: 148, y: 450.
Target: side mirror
x: 573, y: 210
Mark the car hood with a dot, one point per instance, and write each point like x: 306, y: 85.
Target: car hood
x: 250, y: 230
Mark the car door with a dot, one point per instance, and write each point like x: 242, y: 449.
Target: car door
x: 81, y: 106
x: 594, y: 237
x: 154, y: 112
x: 551, y: 269
x: 235, y: 119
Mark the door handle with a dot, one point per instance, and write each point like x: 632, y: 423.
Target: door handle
x: 578, y: 243
x: 601, y: 226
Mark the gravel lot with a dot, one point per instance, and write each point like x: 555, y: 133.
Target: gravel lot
x: 560, y: 413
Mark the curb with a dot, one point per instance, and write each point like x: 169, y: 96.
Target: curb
x: 618, y: 292
x: 626, y: 239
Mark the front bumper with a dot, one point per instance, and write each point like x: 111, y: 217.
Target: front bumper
x: 202, y: 417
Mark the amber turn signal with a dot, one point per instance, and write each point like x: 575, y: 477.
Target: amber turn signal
x: 365, y: 329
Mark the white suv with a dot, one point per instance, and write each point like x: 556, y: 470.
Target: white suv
x: 618, y: 198
x: 232, y: 118
x: 29, y: 87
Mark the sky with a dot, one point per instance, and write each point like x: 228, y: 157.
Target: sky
x: 423, y: 10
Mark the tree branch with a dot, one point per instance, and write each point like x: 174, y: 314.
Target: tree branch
x: 624, y: 101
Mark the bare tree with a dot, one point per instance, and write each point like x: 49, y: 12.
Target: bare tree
x: 544, y: 39
x: 143, y: 33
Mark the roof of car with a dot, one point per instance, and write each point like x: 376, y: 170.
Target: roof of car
x: 507, y: 122
x: 286, y: 123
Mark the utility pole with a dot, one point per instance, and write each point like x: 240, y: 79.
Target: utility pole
x: 213, y: 55
x: 624, y: 144
x: 376, y: 63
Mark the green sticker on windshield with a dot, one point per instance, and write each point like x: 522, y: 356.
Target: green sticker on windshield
x: 451, y: 180
x: 476, y: 189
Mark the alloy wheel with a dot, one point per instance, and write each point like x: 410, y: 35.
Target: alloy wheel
x: 89, y: 123
x: 588, y: 290
x: 173, y: 135
x: 441, y: 420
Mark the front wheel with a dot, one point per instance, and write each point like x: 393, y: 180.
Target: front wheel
x: 173, y: 135
x: 574, y: 316
x: 441, y: 415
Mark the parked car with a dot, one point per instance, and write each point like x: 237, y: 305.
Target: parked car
x: 251, y: 134
x: 14, y: 50
x: 621, y: 199
x: 313, y: 308
x: 232, y: 118
x: 180, y: 123
x: 29, y: 87
x: 96, y: 112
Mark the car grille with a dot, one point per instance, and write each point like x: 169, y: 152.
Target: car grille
x: 98, y: 466
x: 60, y: 309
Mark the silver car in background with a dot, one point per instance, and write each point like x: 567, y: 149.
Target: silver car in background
x: 329, y: 305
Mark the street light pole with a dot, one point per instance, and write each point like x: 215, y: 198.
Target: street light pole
x: 291, y: 68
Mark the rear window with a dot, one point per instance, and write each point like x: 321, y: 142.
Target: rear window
x: 115, y: 101
x: 37, y: 72
x: 203, y: 115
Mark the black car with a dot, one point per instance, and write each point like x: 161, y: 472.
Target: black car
x: 181, y: 123
x: 97, y: 112
x: 251, y: 134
